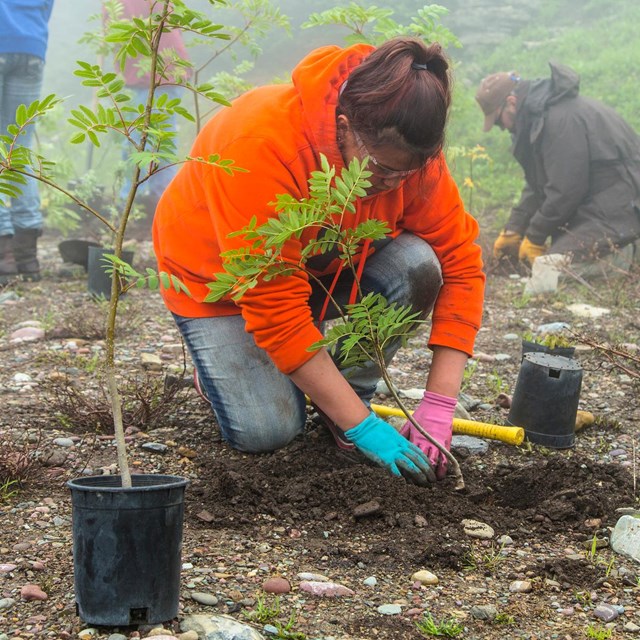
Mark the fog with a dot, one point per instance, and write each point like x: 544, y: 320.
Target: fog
x: 71, y: 19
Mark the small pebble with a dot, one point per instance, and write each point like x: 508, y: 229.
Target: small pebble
x: 390, y: 609
x: 276, y: 585
x: 207, y: 599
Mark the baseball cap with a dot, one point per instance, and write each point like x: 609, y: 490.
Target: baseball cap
x: 492, y: 93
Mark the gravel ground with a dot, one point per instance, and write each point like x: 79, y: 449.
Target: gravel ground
x: 258, y: 525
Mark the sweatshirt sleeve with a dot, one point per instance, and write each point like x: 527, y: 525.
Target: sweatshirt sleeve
x: 439, y: 218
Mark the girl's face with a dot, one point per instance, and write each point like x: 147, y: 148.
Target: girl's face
x: 390, y: 165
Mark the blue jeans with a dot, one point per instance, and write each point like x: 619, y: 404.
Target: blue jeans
x: 156, y: 184
x: 257, y: 407
x: 20, y: 83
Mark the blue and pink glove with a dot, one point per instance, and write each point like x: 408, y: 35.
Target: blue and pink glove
x: 380, y: 442
x: 435, y: 415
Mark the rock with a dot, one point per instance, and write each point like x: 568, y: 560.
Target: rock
x: 411, y: 394
x: 484, y: 612
x: 390, y: 609
x: 312, y: 576
x: 219, y: 628
x: 475, y: 529
x: 63, y: 442
x: 32, y: 592
x: 156, y: 447
x: 150, y: 361
x: 276, y: 585
x: 27, y: 334
x: 587, y: 311
x: 606, y: 612
x: 425, y: 577
x: 521, y: 586
x: 469, y: 445
x: 460, y: 412
x: 6, y: 603
x: 625, y: 537
x: 325, y: 589
x: 160, y: 636
x: 204, y: 598
x: 7, y: 568
x: 370, y: 508
x: 188, y: 635
x: 117, y: 636
x: 371, y: 581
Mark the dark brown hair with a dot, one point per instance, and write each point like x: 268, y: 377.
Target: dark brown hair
x: 400, y: 95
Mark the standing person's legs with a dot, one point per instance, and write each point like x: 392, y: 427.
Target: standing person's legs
x: 257, y: 407
x: 21, y: 85
x: 21, y: 218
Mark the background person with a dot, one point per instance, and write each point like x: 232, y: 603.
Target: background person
x: 24, y: 34
x: 137, y: 81
x: 252, y: 359
x: 581, y: 164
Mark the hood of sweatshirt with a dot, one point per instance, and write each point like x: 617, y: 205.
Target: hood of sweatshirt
x: 318, y: 79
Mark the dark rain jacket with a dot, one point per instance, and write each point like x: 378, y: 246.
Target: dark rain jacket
x: 581, y: 162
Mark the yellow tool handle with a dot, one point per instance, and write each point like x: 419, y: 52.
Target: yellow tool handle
x: 510, y: 435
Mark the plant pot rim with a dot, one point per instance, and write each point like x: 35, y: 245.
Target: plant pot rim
x: 141, y: 482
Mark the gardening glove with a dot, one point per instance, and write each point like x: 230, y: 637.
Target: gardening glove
x: 506, y: 244
x: 528, y: 251
x: 435, y: 415
x: 380, y: 442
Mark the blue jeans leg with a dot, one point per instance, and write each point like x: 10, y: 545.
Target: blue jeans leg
x: 257, y: 407
x: 20, y: 83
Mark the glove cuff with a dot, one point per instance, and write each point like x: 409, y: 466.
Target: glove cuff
x: 437, y: 400
x: 355, y: 432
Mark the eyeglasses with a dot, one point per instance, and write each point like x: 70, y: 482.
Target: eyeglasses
x: 380, y: 169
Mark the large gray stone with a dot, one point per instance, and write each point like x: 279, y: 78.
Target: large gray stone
x: 625, y: 538
x: 219, y: 628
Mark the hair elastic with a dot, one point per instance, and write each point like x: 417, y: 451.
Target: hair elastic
x: 419, y: 66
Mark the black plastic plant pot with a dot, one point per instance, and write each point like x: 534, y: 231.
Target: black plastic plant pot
x: 98, y: 280
x: 545, y: 400
x: 536, y: 347
x: 127, y: 546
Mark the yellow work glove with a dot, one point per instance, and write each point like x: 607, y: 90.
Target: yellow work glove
x: 506, y: 244
x: 528, y: 251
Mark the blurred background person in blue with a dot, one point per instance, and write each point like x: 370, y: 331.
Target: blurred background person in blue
x: 24, y: 33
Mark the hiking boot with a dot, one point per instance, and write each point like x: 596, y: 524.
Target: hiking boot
x: 25, y: 252
x: 338, y: 434
x: 8, y: 268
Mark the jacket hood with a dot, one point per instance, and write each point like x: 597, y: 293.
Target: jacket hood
x: 318, y: 79
x: 535, y: 97
x: 563, y: 83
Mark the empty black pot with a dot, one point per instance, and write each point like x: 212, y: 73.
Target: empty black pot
x: 99, y: 281
x: 545, y: 400
x: 127, y: 546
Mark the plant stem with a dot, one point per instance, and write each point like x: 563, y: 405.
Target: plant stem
x: 447, y: 454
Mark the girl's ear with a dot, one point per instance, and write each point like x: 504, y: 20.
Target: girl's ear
x: 342, y: 125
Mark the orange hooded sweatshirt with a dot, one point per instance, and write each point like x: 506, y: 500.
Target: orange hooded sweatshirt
x: 277, y: 133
